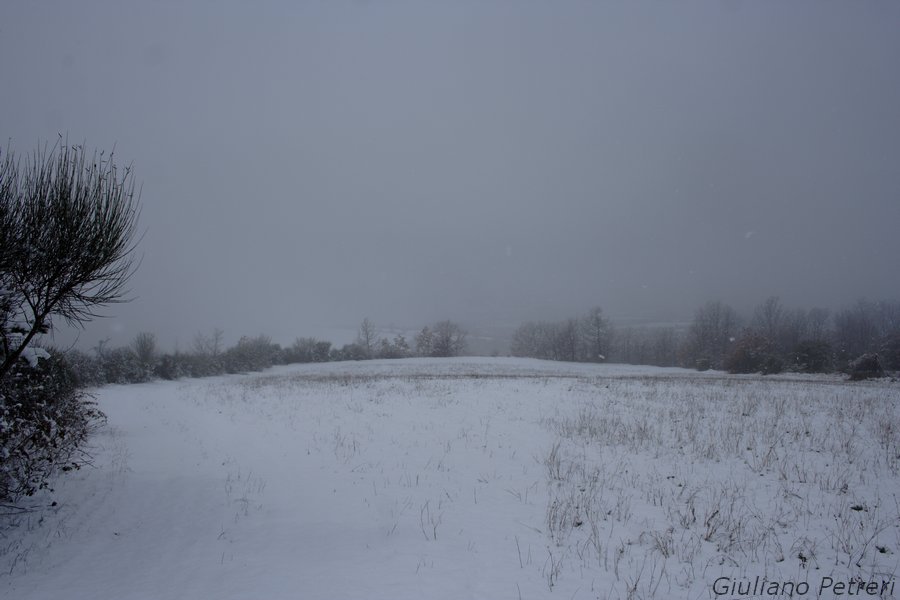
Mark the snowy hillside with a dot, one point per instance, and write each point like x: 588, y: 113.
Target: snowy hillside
x: 472, y: 478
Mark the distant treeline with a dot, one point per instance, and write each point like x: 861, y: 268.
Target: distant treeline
x: 142, y: 361
x: 773, y: 339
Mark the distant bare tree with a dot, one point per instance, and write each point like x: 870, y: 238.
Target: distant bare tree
x: 568, y: 340
x: 888, y: 318
x: 366, y: 337
x: 712, y: 332
x: 565, y: 341
x: 424, y: 342
x: 210, y: 345
x: 396, y: 348
x: 817, y: 320
x: 526, y: 341
x: 595, y: 333
x: 769, y: 321
x: 448, y: 339
x: 401, y: 346
x: 144, y: 348
x: 544, y: 340
x: 68, y: 223
x: 306, y: 350
x: 795, y: 326
x: 856, y: 330
x: 865, y: 327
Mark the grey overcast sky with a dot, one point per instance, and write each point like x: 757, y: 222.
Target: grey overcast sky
x: 307, y: 164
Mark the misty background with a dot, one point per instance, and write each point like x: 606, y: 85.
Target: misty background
x: 305, y: 165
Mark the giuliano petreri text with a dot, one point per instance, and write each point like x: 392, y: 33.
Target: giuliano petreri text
x: 827, y: 586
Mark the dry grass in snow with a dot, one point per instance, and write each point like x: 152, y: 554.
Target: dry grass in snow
x: 472, y: 478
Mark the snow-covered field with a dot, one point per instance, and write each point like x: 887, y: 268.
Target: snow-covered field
x: 473, y: 478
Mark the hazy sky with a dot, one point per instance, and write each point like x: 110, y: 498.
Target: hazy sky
x: 306, y: 164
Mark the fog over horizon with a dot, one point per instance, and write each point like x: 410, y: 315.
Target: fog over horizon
x: 306, y: 165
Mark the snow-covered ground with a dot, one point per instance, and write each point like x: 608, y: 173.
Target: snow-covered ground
x: 473, y: 478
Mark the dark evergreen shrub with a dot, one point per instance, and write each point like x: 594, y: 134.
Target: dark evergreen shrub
x: 753, y: 353
x: 811, y: 356
x: 867, y: 366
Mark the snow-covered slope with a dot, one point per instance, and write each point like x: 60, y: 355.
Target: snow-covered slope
x: 469, y: 478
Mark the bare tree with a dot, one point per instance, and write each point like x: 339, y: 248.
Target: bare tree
x: 562, y: 340
x: 366, y: 337
x: 527, y: 341
x: 856, y: 330
x: 68, y: 223
x: 424, y: 342
x: 144, y: 348
x: 209, y: 345
x: 817, y: 320
x: 448, y: 339
x: 595, y: 335
x: 712, y: 332
x: 769, y: 321
x: 865, y: 327
x: 565, y: 342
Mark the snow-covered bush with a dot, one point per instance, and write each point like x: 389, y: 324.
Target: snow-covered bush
x: 252, y: 354
x: 144, y: 348
x: 43, y: 420
x: 121, y: 365
x: 87, y: 369
x: 447, y: 339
